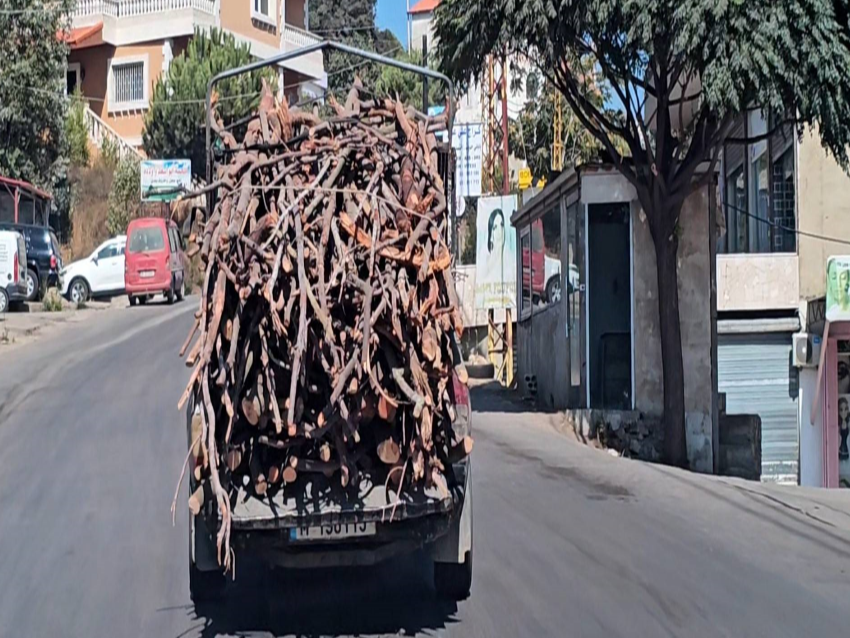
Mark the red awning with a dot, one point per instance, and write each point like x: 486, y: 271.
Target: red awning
x: 26, y: 186
x: 424, y: 6
x: 83, y: 37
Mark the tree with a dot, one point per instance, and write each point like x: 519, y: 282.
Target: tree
x: 32, y: 90
x: 407, y: 85
x: 683, y: 71
x: 124, y: 201
x: 352, y: 23
x: 174, y: 124
x: 77, y: 133
x: 533, y: 132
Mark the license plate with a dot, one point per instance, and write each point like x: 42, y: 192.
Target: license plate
x: 147, y: 274
x: 333, y: 531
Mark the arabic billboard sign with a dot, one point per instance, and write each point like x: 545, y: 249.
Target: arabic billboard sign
x: 164, y: 180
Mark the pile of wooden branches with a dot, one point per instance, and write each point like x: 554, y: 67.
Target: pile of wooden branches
x: 328, y: 320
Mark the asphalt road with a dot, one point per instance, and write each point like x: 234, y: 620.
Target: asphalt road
x: 568, y: 541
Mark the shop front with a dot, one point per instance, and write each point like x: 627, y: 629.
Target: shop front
x: 830, y: 413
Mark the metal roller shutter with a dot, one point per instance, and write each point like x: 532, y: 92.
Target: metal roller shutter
x: 755, y: 372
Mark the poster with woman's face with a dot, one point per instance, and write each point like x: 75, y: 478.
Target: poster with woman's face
x: 843, y: 416
x: 495, y: 259
x: 838, y: 289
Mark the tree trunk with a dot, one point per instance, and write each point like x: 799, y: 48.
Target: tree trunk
x: 675, y: 443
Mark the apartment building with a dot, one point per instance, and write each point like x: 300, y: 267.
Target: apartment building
x: 119, y: 48
x: 786, y: 211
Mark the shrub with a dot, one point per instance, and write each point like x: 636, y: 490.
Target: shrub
x: 52, y: 301
x: 124, y: 197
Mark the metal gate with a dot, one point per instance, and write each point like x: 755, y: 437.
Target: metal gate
x: 755, y: 372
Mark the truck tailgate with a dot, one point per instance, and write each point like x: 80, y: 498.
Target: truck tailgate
x: 319, y: 502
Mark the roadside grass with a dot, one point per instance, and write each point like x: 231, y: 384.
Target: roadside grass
x: 52, y: 301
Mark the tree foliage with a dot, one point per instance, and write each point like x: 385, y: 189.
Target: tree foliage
x: 125, y: 196
x: 174, y: 128
x: 532, y: 133
x: 77, y: 132
x: 683, y: 70
x: 407, y: 85
x: 32, y: 91
x: 353, y: 23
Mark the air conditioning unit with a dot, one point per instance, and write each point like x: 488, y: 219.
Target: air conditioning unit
x: 806, y: 350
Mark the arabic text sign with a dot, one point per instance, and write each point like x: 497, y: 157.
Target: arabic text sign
x: 467, y: 140
x: 165, y: 179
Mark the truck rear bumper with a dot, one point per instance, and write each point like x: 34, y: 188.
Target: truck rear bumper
x: 392, y: 539
x: 263, y: 528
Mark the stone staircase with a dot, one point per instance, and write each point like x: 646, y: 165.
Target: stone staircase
x: 100, y: 131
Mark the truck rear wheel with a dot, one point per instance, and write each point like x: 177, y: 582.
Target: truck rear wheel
x: 454, y: 580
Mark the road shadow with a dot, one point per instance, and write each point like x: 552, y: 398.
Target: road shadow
x: 490, y: 396
x: 395, y: 597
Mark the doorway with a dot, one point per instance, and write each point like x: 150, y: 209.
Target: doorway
x: 609, y: 347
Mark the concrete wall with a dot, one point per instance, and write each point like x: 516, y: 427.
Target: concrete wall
x: 695, y: 315
x: 542, y: 350
x: 422, y: 24
x: 763, y: 281
x: 294, y: 13
x: 236, y: 17
x: 811, y: 435
x: 824, y: 209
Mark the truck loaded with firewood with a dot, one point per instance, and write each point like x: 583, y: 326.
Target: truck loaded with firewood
x: 328, y: 413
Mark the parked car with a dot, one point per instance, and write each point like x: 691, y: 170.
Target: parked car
x: 13, y: 269
x: 100, y: 274
x: 153, y: 260
x: 44, y: 261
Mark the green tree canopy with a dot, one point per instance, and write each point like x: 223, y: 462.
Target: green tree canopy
x: 174, y: 125
x: 353, y: 23
x: 407, y: 85
x: 682, y: 70
x: 32, y: 90
x: 532, y: 133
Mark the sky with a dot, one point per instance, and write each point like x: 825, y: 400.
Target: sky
x: 392, y: 14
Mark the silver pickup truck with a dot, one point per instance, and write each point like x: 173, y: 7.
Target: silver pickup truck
x: 316, y: 523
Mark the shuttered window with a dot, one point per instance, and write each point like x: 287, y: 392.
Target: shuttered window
x: 128, y: 82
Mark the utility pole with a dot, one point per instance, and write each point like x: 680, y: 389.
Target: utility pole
x: 409, y: 29
x: 494, y: 88
x: 558, y: 134
x: 425, y: 78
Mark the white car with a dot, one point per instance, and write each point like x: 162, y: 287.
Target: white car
x: 100, y: 274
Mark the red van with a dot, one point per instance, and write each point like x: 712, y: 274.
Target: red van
x: 153, y: 260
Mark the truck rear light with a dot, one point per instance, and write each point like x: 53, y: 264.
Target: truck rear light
x: 16, y: 268
x: 461, y: 391
x: 53, y: 262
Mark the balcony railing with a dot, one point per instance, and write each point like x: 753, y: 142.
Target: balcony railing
x: 298, y: 38
x: 129, y: 8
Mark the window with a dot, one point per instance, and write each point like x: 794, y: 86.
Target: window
x: 546, y: 258
x: 72, y: 78
x: 525, y: 250
x: 264, y: 11
x: 108, y: 251
x: 172, y: 244
x: 759, y: 189
x: 784, y: 214
x: 146, y: 239
x: 128, y: 84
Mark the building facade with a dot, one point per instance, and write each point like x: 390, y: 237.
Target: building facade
x: 119, y: 48
x: 785, y: 213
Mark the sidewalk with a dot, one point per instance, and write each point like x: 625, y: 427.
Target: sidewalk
x: 24, y: 326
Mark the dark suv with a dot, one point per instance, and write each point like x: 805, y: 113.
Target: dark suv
x: 44, y: 260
